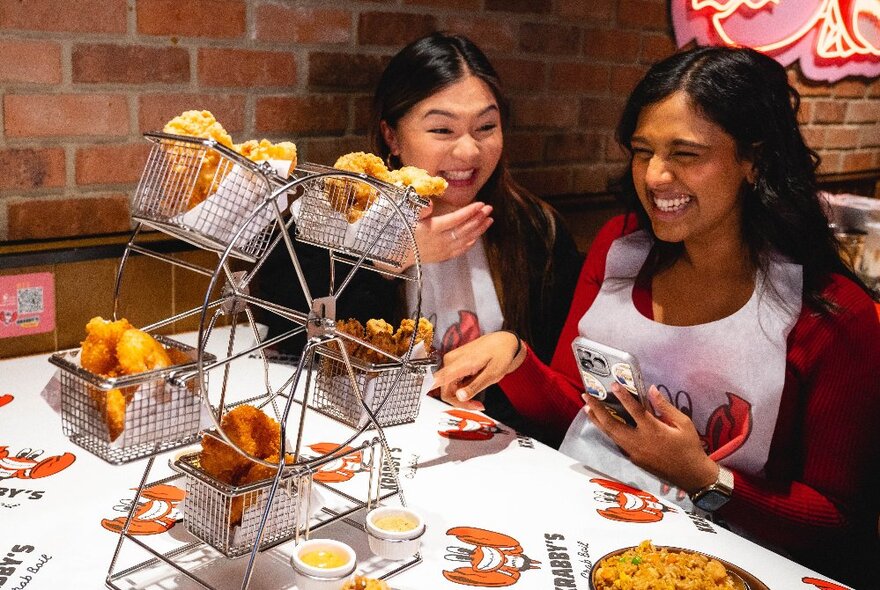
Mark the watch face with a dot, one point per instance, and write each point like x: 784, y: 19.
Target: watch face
x: 711, y: 500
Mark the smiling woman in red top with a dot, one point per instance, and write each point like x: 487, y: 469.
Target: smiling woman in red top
x: 761, y: 345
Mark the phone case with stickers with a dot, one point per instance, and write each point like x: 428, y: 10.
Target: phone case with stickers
x: 600, y: 366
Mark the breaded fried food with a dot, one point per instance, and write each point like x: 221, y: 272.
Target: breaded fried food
x: 423, y: 183
x: 253, y: 431
x: 98, y: 354
x: 381, y: 334
x: 112, y: 404
x: 139, y: 352
x: 424, y: 334
x: 256, y: 472
x: 266, y: 150
x: 353, y: 327
x: 365, y: 583
x: 199, y: 124
x: 354, y: 197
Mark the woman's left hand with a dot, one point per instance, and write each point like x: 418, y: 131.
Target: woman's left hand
x: 663, y: 442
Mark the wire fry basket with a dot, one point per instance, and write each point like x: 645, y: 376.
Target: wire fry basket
x: 332, y: 393
x: 227, y: 517
x: 121, y: 419
x: 203, y: 192
x: 350, y: 216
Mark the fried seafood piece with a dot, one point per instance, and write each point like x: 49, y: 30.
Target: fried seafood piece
x: 112, y: 404
x: 353, y: 327
x: 253, y: 431
x: 198, y: 124
x: 266, y: 150
x: 256, y: 472
x: 381, y: 335
x: 354, y: 197
x: 424, y: 334
x: 365, y: 583
x: 98, y: 353
x: 138, y: 352
x: 422, y: 182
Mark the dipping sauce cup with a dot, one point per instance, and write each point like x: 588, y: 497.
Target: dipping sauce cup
x: 322, y: 564
x: 394, y: 533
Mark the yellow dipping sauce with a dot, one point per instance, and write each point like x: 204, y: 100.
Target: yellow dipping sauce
x: 323, y: 559
x: 397, y: 523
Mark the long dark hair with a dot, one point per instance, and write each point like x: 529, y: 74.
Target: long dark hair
x: 747, y: 94
x: 523, y: 224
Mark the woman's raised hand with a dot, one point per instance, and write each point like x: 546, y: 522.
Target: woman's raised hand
x: 441, y: 237
x: 471, y: 368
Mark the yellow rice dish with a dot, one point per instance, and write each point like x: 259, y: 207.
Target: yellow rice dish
x: 648, y: 568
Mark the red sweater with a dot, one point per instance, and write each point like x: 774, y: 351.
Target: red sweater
x: 821, y: 496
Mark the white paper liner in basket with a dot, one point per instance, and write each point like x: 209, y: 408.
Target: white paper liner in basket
x: 284, y: 502
x: 238, y: 195
x: 144, y: 416
x: 372, y: 217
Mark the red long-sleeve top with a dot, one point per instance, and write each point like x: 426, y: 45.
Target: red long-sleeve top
x: 820, y: 499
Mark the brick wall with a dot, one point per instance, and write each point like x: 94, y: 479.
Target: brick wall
x: 81, y: 80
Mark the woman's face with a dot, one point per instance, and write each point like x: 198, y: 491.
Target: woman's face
x: 454, y: 133
x: 687, y: 173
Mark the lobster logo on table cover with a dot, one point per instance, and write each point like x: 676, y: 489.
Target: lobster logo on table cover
x: 830, y: 38
x: 494, y: 559
x: 464, y: 425
x: 339, y: 469
x: 26, y: 464
x: 631, y: 504
x: 824, y: 584
x: 156, y: 513
x: 5, y: 399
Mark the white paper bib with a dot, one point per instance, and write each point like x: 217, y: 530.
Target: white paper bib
x: 727, y: 375
x: 459, y: 298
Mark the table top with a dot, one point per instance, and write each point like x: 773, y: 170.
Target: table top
x: 502, y: 510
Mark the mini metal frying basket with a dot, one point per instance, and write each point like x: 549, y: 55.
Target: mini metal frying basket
x: 227, y: 517
x: 333, y: 395
x: 204, y: 193
x: 350, y: 216
x: 121, y: 419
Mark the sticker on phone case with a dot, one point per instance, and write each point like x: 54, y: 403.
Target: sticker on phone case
x: 594, y: 387
x: 623, y: 374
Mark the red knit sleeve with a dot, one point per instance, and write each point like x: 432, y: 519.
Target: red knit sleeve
x: 550, y: 396
x: 818, y: 488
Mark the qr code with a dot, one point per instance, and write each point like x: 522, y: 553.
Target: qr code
x: 30, y: 300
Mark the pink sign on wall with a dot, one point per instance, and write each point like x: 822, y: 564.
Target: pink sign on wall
x: 27, y: 304
x: 829, y: 38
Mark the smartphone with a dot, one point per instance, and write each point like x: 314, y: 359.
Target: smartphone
x: 600, y: 366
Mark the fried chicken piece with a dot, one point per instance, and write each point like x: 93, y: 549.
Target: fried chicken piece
x: 112, y: 404
x: 424, y: 334
x: 256, y: 472
x: 353, y: 327
x: 354, y: 197
x: 198, y: 124
x: 139, y: 352
x: 266, y: 150
x: 365, y: 583
x: 98, y: 353
x: 422, y: 182
x: 252, y: 430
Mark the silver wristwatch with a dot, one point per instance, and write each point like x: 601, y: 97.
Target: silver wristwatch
x: 715, y: 495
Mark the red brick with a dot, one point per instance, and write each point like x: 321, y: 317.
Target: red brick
x: 828, y: 111
x: 394, y: 29
x: 869, y: 136
x: 524, y: 148
x: 611, y: 45
x: 311, y: 115
x: 129, y: 64
x: 245, y: 68
x: 76, y: 216
x: 600, y: 11
x: 584, y: 78
x: 806, y: 111
x: 82, y: 16
x: 30, y: 168
x: 863, y: 112
x: 590, y: 179
x: 831, y: 162
x: 549, y: 38
x: 345, y: 71
x: 192, y: 18
x: 600, y: 113
x: 111, y: 163
x: 545, y: 112
x: 807, y: 87
x: 624, y: 79
x: 545, y: 182
x: 488, y: 34
x: 874, y: 89
x: 574, y: 147
x: 35, y: 62
x: 614, y: 152
x: 157, y: 109
x: 814, y: 135
x: 857, y: 161
x: 363, y: 114
x: 849, y: 88
x: 37, y: 115
x: 838, y: 137
x: 521, y: 74
x: 521, y: 6
x: 327, y: 150
x: 656, y: 47
x: 643, y: 14
x: 292, y: 24
x: 474, y: 5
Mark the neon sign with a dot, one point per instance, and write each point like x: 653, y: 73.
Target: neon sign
x: 830, y: 38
